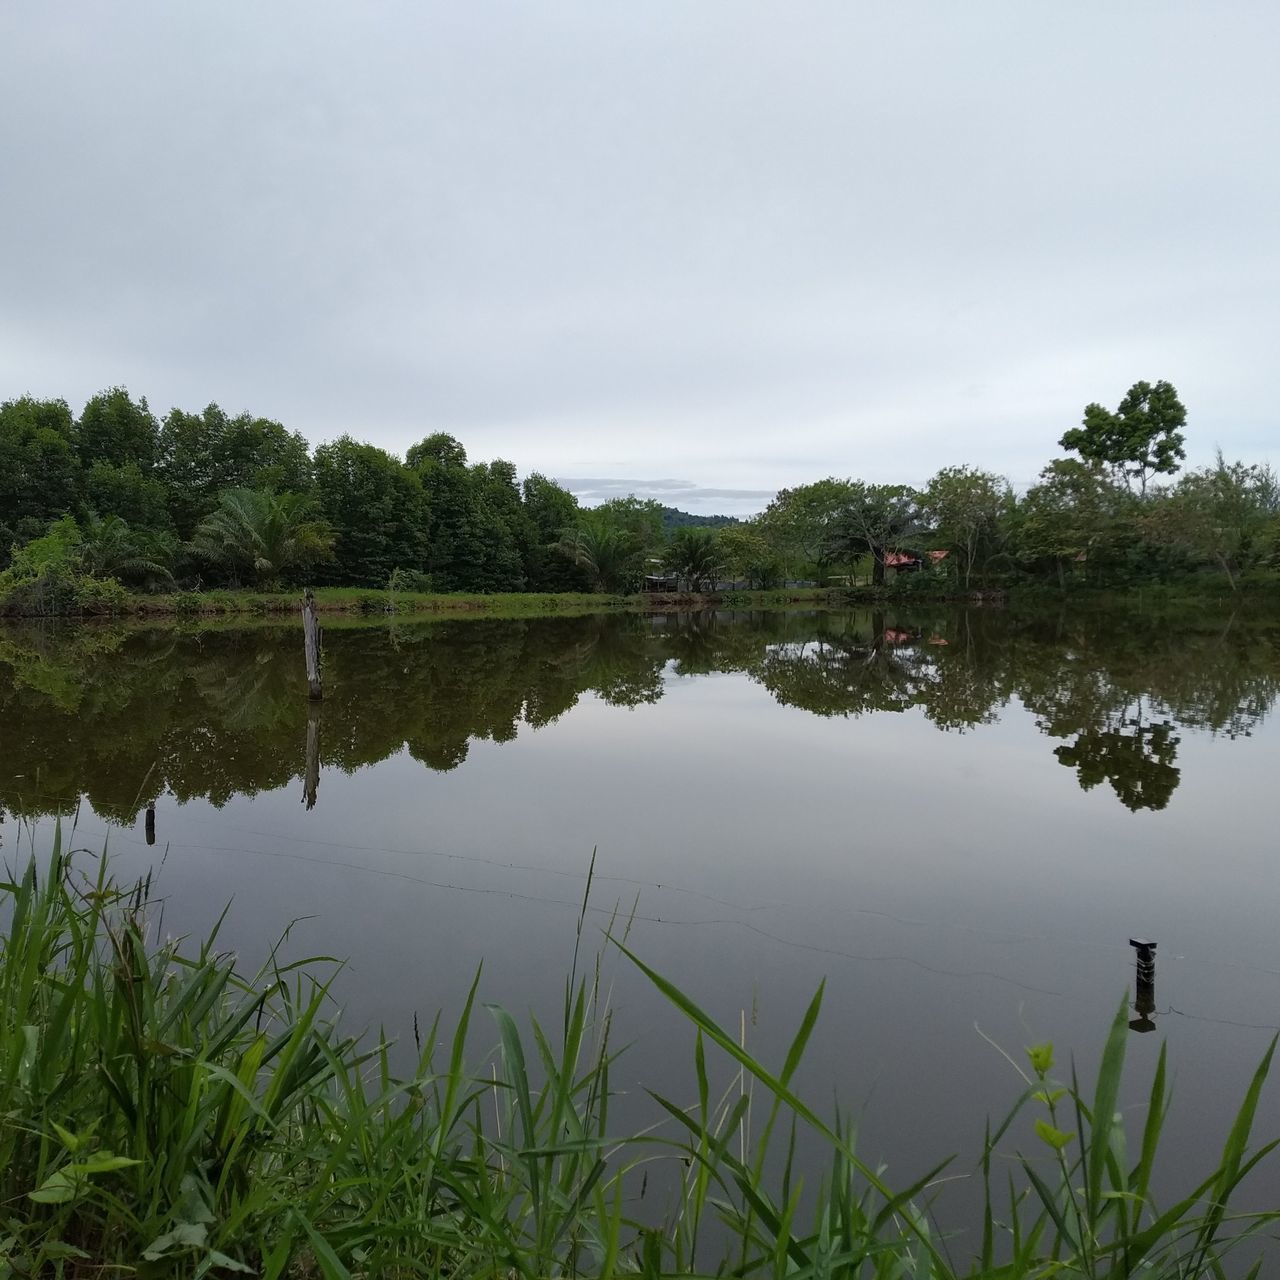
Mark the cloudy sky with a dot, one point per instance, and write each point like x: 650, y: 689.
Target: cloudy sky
x: 699, y: 249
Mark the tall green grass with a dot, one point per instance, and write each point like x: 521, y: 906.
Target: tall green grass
x: 163, y: 1114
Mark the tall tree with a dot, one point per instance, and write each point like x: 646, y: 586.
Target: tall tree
x: 38, y: 468
x: 550, y: 508
x: 138, y: 497
x: 504, y: 531
x: 455, y: 542
x: 800, y: 522
x: 874, y: 519
x: 639, y: 518
x: 376, y: 509
x: 1220, y: 515
x: 1142, y: 438
x: 203, y: 454
x: 965, y: 506
x: 116, y: 430
x: 747, y: 554
x: 1073, y: 516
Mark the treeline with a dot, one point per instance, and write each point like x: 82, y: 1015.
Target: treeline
x: 1112, y: 515
x: 117, y: 499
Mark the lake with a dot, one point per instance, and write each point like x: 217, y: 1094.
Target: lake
x: 958, y: 818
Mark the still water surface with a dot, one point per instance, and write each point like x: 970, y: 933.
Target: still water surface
x: 958, y: 819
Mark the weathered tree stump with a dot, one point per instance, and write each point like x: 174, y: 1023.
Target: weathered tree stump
x: 311, y: 644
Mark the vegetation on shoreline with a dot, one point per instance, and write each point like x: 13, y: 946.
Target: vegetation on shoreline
x: 378, y: 602
x: 164, y: 1113
x: 99, y: 509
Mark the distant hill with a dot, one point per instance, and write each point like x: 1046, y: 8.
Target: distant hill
x: 672, y: 518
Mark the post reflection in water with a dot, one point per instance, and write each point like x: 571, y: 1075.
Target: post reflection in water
x: 311, y: 770
x: 227, y: 711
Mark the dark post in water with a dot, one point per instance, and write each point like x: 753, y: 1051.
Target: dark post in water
x: 311, y: 642
x: 151, y: 824
x: 1144, y: 1003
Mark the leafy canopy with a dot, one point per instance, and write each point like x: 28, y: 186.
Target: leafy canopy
x: 1142, y: 438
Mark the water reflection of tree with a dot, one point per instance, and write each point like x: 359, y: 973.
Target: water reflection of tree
x: 122, y: 716
x: 1134, y: 756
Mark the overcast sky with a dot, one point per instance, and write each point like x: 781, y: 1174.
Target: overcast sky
x: 702, y: 249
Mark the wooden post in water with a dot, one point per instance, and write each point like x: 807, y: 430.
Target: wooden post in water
x: 311, y: 777
x: 151, y: 824
x: 1144, y: 1004
x: 311, y: 643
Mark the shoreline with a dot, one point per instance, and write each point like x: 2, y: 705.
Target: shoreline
x: 370, y: 603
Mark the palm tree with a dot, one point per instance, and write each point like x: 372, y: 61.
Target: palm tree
x: 694, y: 555
x: 608, y: 555
x: 110, y: 549
x: 260, y: 535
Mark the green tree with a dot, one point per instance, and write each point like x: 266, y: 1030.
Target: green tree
x: 694, y: 556
x: 440, y: 448
x: 1219, y: 515
x: 1142, y: 438
x: 873, y: 520
x: 456, y: 552
x: 800, y: 522
x: 610, y: 557
x: 116, y: 430
x: 965, y: 507
x: 639, y: 518
x: 258, y: 536
x: 127, y: 491
x: 550, y: 508
x: 38, y: 468
x: 376, y: 509
x: 1075, y: 516
x: 747, y: 554
x: 504, y: 531
x: 204, y: 454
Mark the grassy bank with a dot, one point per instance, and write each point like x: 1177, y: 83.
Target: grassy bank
x: 164, y: 1115
x: 371, y: 602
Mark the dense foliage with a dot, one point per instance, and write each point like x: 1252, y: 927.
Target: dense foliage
x: 208, y: 499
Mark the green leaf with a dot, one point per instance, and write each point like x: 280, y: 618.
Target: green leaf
x: 55, y: 1250
x: 216, y: 1259
x: 102, y: 1162
x: 1041, y: 1056
x: 57, y: 1188
x: 1049, y: 1096
x: 1054, y: 1137
x: 330, y: 1264
x: 1103, y: 1115
x: 186, y: 1235
x: 67, y: 1138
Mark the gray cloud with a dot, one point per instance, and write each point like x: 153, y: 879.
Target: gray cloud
x: 749, y: 245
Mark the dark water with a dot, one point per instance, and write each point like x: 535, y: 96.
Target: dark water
x: 958, y: 820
